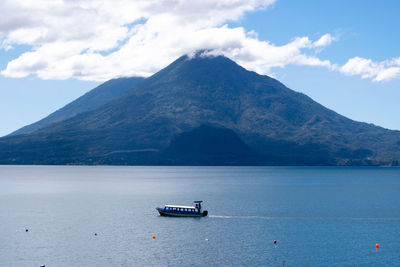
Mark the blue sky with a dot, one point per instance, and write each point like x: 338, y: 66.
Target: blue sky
x: 367, y: 29
x: 353, y: 70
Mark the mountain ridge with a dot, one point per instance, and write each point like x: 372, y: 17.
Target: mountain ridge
x: 280, y: 126
x: 91, y: 100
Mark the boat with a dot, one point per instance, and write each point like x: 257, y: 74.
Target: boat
x: 183, y: 211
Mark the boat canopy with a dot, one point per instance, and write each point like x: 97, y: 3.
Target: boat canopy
x: 180, y: 207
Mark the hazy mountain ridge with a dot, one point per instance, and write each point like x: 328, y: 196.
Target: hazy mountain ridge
x: 279, y: 126
x: 90, y: 101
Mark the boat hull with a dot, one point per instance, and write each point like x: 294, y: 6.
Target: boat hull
x: 180, y: 214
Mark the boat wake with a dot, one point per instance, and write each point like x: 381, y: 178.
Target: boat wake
x: 241, y: 217
x: 387, y: 219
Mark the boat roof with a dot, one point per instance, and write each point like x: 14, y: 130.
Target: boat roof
x: 182, y: 207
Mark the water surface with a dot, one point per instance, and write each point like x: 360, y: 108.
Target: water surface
x: 319, y: 216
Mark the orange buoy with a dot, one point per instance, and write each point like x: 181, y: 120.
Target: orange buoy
x: 377, y: 245
x: 154, y: 237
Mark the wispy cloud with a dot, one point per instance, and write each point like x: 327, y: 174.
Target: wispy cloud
x: 377, y: 71
x: 98, y: 40
x: 325, y: 40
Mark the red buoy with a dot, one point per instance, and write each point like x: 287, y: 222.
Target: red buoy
x: 377, y: 245
x: 154, y: 237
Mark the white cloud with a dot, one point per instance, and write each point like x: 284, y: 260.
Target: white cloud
x: 325, y: 40
x: 377, y: 71
x: 99, y: 40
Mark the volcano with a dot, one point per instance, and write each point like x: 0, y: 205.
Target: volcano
x: 202, y: 110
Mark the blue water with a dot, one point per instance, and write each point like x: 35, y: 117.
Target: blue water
x: 319, y: 216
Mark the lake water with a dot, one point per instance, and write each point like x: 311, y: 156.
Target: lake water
x: 319, y: 216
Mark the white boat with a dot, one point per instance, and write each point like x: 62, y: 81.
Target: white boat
x: 183, y: 211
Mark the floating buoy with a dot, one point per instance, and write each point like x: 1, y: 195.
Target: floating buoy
x: 26, y: 229
x: 154, y: 237
x: 206, y: 239
x: 95, y: 234
x: 42, y: 266
x: 377, y: 245
x: 274, y: 241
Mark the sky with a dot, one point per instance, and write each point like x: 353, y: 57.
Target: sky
x: 344, y: 54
